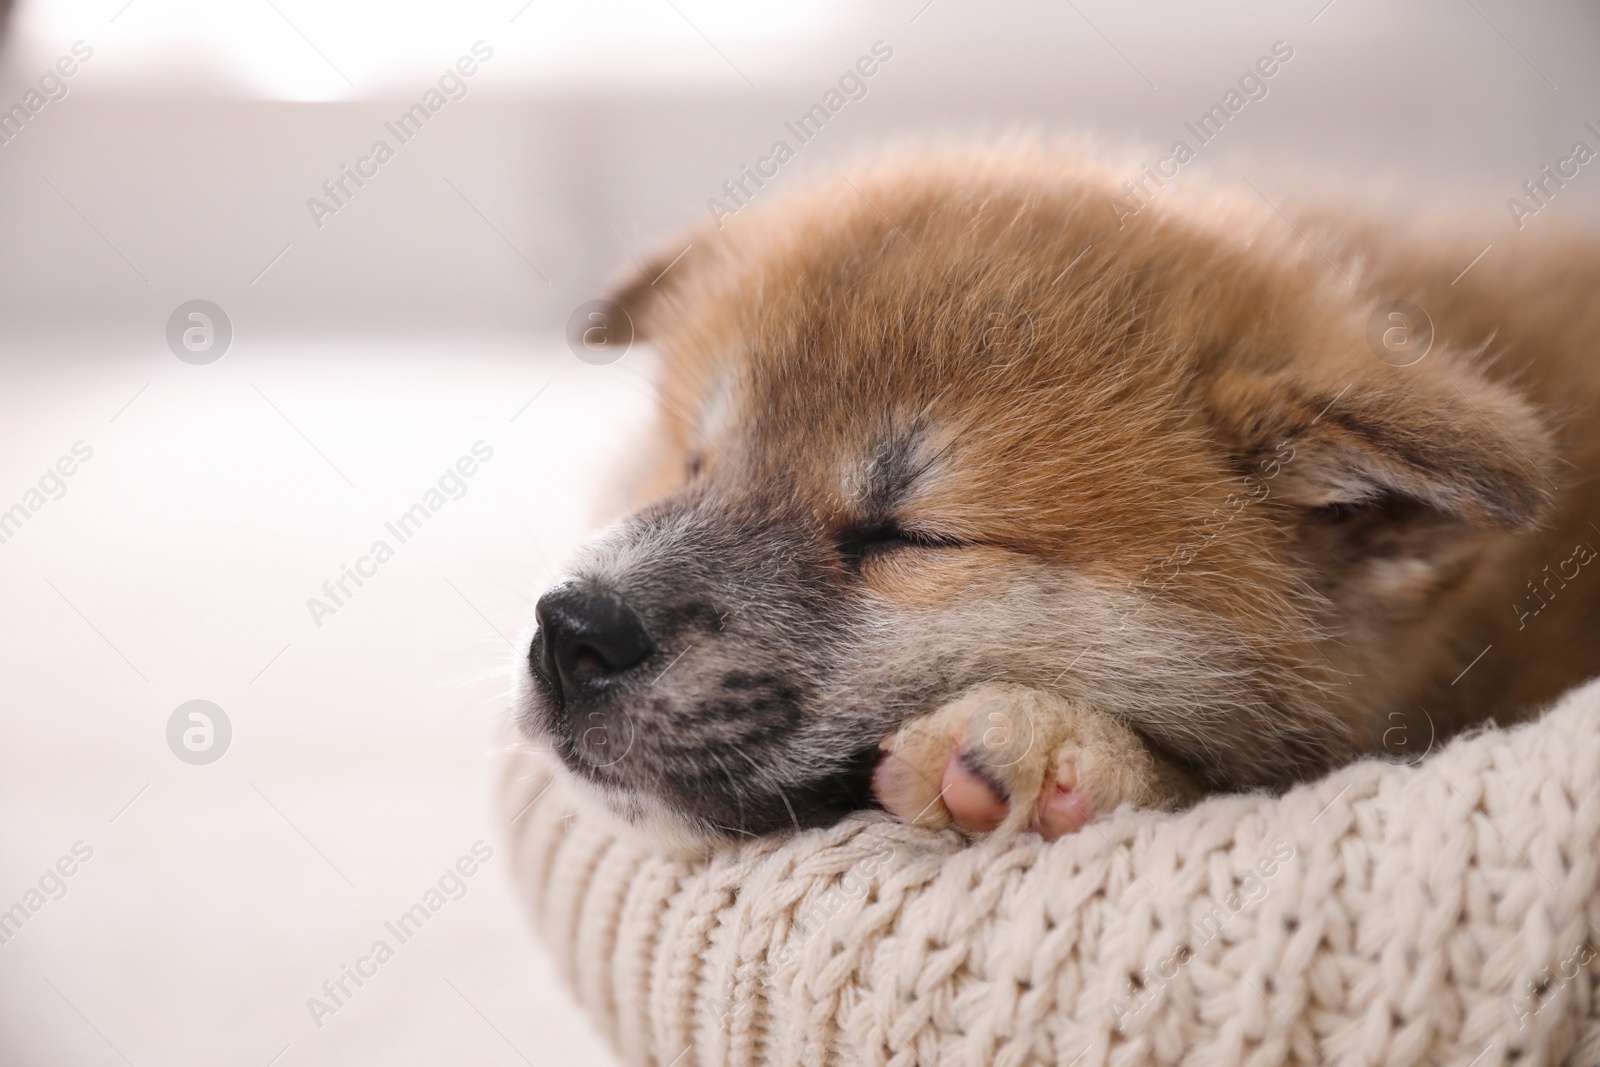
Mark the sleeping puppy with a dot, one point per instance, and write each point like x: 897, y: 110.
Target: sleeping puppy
x: 978, y: 497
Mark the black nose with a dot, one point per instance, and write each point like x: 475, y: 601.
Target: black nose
x: 585, y: 638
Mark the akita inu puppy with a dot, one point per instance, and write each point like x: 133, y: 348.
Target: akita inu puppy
x: 977, y: 498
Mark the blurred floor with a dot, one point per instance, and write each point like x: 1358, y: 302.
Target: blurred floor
x: 177, y: 566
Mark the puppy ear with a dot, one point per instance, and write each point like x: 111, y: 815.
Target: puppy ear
x: 641, y: 290
x: 1448, y: 440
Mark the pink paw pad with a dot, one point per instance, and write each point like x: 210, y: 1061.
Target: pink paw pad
x: 974, y: 802
x: 1064, y: 810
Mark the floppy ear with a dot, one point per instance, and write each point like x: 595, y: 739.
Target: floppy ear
x: 1449, y: 441
x: 642, y: 289
x: 1392, y: 487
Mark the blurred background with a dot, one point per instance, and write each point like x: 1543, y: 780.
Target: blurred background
x: 179, y: 494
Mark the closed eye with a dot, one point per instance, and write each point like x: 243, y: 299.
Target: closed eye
x: 866, y: 542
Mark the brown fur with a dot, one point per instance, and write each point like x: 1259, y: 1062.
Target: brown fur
x: 1281, y: 548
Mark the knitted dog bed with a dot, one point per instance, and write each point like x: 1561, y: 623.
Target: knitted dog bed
x: 1443, y: 913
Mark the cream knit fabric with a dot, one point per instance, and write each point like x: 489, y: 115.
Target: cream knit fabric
x: 1447, y: 913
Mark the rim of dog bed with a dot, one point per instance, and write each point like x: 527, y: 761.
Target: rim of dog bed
x: 1440, y: 913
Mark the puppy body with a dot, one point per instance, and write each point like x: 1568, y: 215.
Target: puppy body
x: 1530, y: 322
x: 950, y: 422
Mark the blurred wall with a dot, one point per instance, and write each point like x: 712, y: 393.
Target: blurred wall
x: 152, y: 184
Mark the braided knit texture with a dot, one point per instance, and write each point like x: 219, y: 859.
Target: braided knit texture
x: 1443, y: 913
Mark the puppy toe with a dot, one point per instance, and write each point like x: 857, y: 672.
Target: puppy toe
x: 973, y: 801
x: 1064, y: 809
x: 955, y: 766
x: 907, y: 784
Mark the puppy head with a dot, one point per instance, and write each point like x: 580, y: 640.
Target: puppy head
x: 947, y: 424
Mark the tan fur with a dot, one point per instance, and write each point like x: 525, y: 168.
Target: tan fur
x: 1021, y: 738
x: 1173, y: 476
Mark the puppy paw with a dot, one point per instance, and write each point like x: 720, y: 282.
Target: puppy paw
x: 1009, y: 758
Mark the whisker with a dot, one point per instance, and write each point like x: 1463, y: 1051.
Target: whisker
x: 776, y: 787
x: 737, y: 796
